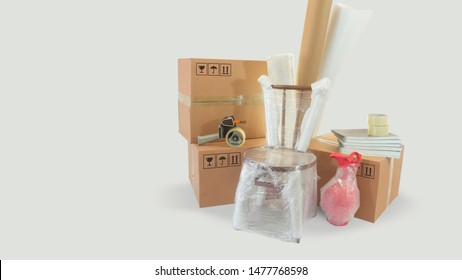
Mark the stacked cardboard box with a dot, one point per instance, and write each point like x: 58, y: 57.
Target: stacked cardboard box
x: 209, y: 90
x: 214, y: 170
x: 378, y: 177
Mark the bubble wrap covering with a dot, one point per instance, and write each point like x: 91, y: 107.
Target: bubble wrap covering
x: 277, y: 191
x: 340, y: 196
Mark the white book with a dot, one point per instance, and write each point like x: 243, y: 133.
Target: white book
x: 360, y: 136
x: 391, y: 154
x: 368, y: 146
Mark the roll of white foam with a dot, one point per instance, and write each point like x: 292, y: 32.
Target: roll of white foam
x: 346, y: 25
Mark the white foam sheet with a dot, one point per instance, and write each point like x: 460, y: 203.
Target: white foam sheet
x: 346, y: 25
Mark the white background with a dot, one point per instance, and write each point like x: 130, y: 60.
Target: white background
x: 146, y: 269
x: 92, y: 165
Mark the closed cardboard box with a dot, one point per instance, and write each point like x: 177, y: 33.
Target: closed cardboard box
x: 214, y: 170
x: 378, y: 177
x: 211, y: 89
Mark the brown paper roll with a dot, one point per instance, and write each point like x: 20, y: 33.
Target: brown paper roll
x: 314, y: 35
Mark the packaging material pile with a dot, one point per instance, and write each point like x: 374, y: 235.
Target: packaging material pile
x: 250, y: 128
x: 293, y: 114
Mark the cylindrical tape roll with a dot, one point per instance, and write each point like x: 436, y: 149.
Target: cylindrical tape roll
x: 235, y: 137
x: 378, y: 130
x: 377, y: 119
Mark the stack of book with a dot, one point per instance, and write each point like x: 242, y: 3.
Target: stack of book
x: 358, y: 140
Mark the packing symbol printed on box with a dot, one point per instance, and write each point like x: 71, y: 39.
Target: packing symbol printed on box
x: 213, y: 69
x: 366, y: 171
x: 221, y: 160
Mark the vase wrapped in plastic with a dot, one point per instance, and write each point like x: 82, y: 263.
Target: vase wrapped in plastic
x: 340, y: 196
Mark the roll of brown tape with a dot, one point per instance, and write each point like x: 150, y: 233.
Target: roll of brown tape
x: 235, y: 137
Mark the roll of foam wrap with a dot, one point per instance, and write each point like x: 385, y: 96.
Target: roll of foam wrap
x: 346, y: 25
x: 281, y: 69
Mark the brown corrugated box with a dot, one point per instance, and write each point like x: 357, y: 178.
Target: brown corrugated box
x: 378, y: 177
x: 214, y: 170
x: 211, y: 89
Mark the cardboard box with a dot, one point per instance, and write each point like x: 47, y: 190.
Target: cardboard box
x: 378, y: 177
x: 214, y: 170
x: 211, y: 89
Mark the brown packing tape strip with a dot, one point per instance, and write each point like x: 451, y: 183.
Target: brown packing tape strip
x: 390, y: 179
x: 313, y: 40
x: 220, y: 100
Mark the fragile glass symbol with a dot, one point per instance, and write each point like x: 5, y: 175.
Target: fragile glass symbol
x: 209, y: 160
x: 201, y: 67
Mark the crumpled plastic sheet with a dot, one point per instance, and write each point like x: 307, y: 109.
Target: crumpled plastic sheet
x: 277, y: 192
